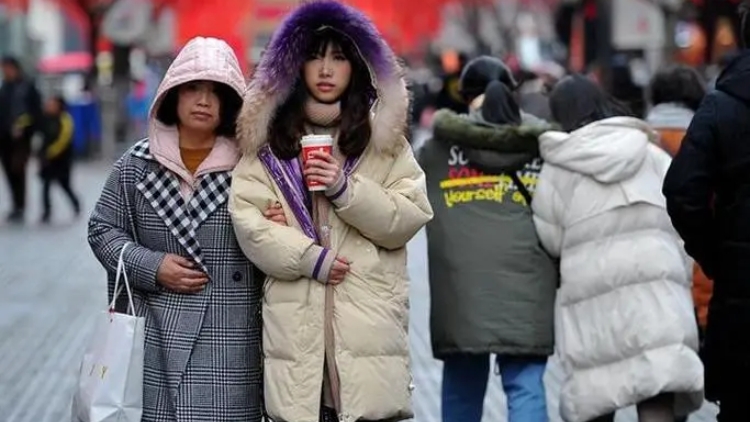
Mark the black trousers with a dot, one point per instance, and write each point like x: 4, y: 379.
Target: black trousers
x: 328, y: 415
x: 14, y: 160
x: 62, y: 179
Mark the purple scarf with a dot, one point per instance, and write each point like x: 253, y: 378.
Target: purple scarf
x: 289, y: 178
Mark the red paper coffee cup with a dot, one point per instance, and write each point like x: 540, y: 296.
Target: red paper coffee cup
x: 312, y: 143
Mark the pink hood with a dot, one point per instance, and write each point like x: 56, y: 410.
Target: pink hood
x: 206, y: 59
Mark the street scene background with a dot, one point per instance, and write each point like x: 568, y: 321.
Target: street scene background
x: 52, y: 287
x: 107, y: 57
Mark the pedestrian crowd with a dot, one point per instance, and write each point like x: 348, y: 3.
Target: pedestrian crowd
x: 263, y: 227
x: 23, y: 115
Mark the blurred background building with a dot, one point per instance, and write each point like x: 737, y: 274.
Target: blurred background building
x: 107, y: 56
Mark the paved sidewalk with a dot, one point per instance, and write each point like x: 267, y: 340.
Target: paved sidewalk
x: 52, y: 286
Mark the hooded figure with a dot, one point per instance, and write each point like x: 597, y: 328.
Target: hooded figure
x: 479, y: 73
x: 492, y: 285
x: 164, y: 207
x: 337, y: 281
x: 625, y: 330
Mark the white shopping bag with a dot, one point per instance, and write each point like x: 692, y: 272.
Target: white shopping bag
x: 110, y: 382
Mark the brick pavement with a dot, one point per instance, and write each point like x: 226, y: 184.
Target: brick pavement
x: 51, y: 286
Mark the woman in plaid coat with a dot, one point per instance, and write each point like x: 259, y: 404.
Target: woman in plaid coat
x: 167, y: 195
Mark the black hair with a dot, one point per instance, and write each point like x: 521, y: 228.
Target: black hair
x: 577, y: 101
x: 230, y: 103
x: 499, y: 105
x: 678, y: 84
x: 288, y: 124
x: 479, y: 72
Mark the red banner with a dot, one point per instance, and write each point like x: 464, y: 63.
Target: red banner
x: 214, y: 18
x: 404, y: 24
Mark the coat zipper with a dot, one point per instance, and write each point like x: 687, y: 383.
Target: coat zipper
x: 329, y: 340
x: 330, y: 350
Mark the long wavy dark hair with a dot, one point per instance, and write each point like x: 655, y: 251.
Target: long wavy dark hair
x: 288, y: 124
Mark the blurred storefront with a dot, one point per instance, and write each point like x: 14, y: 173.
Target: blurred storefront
x: 698, y: 32
x: 226, y: 19
x: 14, y: 35
x: 721, y: 27
x: 264, y: 19
x: 406, y: 26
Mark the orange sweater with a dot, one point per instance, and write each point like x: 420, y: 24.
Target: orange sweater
x: 192, y: 158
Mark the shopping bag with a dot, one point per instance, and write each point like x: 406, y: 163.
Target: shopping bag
x: 110, y: 379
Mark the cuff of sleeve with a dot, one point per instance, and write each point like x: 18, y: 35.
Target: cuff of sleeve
x: 317, y: 262
x: 145, y: 266
x: 338, y: 193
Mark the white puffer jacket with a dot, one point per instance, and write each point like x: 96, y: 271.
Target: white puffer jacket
x: 625, y: 328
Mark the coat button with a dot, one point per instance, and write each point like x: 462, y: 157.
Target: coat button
x: 237, y: 276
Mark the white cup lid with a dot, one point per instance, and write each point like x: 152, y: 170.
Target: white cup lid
x: 317, y: 140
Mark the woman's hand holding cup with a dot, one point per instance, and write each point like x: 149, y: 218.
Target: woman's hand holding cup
x: 321, y: 168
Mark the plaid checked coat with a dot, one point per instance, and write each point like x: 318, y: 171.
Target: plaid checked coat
x: 202, y: 351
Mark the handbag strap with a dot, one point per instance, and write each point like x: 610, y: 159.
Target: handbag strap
x: 521, y: 188
x: 121, y: 273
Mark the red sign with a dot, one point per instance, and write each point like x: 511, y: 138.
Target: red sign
x: 272, y: 12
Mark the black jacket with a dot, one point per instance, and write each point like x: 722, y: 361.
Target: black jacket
x: 21, y: 106
x: 708, y: 198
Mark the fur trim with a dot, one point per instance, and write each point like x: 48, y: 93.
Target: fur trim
x: 280, y: 67
x: 463, y: 130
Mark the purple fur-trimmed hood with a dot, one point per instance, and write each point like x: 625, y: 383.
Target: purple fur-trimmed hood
x: 282, y: 62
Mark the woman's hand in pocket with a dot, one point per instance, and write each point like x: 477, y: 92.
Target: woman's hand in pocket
x: 275, y: 213
x: 180, y: 275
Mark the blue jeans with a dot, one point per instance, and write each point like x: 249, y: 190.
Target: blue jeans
x: 465, y: 384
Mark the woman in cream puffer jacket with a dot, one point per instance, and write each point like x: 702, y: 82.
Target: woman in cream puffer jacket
x: 333, y: 348
x: 625, y: 330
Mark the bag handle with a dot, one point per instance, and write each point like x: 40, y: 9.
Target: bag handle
x: 124, y: 274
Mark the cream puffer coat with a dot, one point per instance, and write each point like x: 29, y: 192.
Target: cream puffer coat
x: 383, y: 205
x: 386, y: 207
